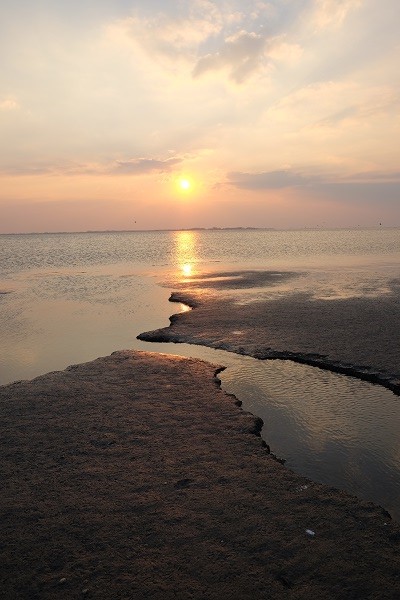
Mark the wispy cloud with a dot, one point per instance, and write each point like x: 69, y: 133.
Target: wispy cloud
x: 376, y: 176
x: 241, y: 54
x: 332, y: 13
x: 268, y: 180
x: 170, y: 36
x: 139, y: 166
x: 134, y: 166
x: 367, y: 182
x: 206, y: 37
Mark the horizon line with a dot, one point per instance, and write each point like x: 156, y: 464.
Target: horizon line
x: 237, y: 228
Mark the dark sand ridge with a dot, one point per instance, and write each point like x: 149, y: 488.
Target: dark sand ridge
x: 356, y: 336
x: 135, y: 476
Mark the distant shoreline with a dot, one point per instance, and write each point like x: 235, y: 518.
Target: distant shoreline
x: 91, y: 231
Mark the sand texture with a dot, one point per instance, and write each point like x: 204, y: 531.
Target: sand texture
x: 135, y: 476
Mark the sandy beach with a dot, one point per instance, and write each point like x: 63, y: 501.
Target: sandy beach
x: 136, y: 476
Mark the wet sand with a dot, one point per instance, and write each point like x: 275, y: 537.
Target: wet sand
x: 356, y: 336
x: 136, y: 476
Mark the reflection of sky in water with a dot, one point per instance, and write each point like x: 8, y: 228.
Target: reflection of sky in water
x: 54, y: 319
x: 331, y: 428
x: 329, y: 284
x: 322, y: 277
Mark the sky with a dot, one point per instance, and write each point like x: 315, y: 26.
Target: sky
x: 128, y: 114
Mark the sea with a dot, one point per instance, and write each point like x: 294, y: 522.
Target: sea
x: 67, y: 298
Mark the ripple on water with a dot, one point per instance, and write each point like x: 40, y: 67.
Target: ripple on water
x: 334, y: 429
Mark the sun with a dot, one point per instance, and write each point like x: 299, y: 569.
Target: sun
x: 185, y: 184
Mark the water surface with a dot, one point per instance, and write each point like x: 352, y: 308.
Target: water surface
x: 68, y: 298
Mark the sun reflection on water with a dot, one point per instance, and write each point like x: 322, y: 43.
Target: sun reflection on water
x: 185, y: 253
x: 187, y: 269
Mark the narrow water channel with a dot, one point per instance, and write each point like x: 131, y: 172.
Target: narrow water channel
x: 334, y: 429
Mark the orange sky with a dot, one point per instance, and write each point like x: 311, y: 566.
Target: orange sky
x: 279, y: 114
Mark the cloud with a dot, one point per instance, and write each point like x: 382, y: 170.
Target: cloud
x: 167, y: 36
x: 340, y: 116
x: 42, y: 168
x: 380, y: 193
x: 280, y: 50
x: 287, y: 178
x: 241, y: 54
x: 361, y: 192
x: 140, y: 166
x: 206, y: 36
x: 332, y: 13
x: 134, y: 166
x: 267, y: 180
x: 8, y: 104
x: 390, y: 176
x: 330, y: 104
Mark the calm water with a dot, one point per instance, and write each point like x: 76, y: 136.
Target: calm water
x: 68, y: 298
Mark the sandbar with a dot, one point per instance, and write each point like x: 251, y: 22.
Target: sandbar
x: 356, y: 336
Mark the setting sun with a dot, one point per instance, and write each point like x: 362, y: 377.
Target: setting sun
x: 184, y: 184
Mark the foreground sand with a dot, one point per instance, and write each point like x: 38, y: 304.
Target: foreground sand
x: 135, y: 476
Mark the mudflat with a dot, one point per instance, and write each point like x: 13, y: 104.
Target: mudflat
x: 136, y: 476
x: 238, y: 312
